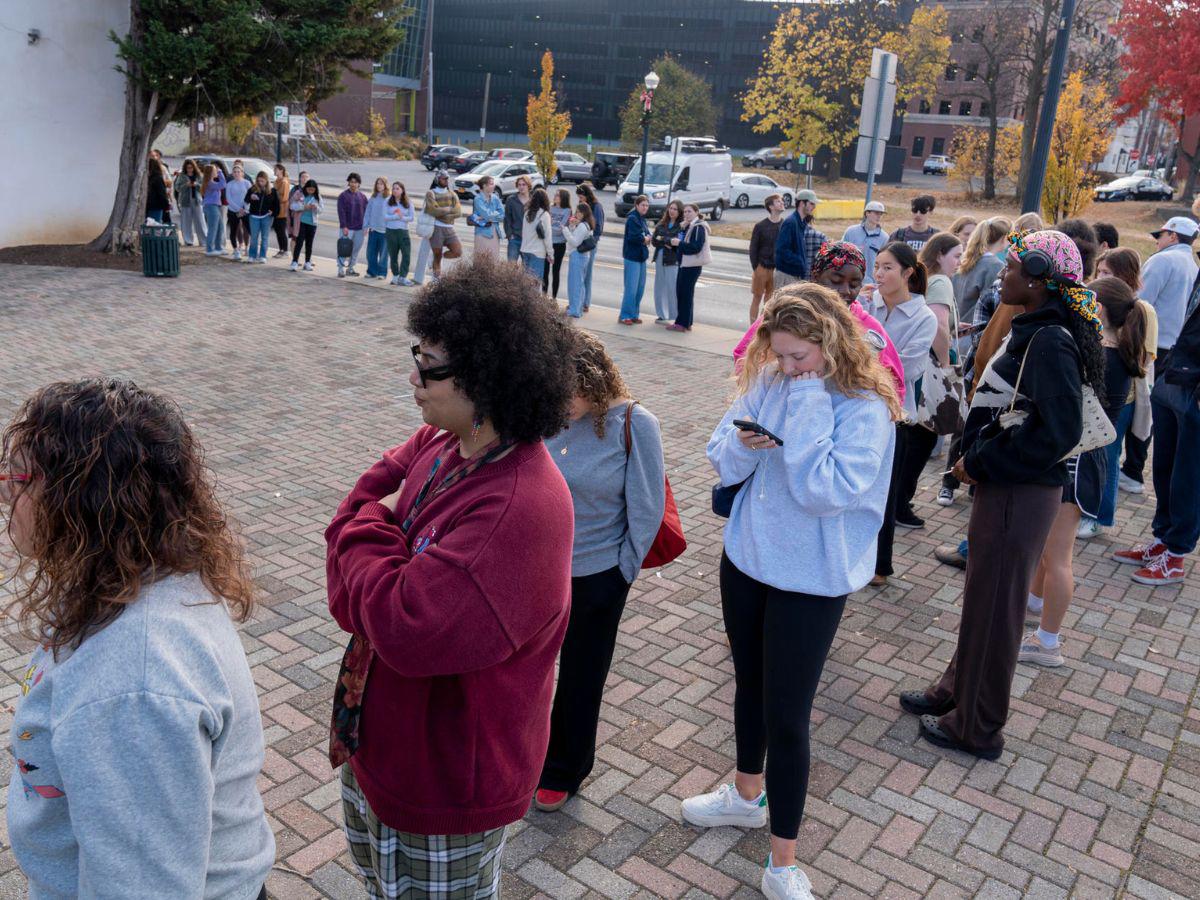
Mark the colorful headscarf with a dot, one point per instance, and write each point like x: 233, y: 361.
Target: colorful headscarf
x: 1066, y: 270
x: 837, y: 255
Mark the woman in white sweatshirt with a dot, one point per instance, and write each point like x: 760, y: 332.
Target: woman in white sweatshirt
x: 537, y: 234
x: 579, y: 233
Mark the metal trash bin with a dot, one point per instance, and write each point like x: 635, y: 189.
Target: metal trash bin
x: 160, y: 251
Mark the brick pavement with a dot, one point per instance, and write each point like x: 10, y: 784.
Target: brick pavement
x: 296, y: 386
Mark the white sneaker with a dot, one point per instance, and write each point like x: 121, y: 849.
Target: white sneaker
x: 1033, y: 651
x: 294, y: 266
x: 725, y: 806
x: 1088, y: 529
x: 945, y: 496
x: 790, y: 884
x: 237, y: 254
x: 1127, y: 484
x: 308, y: 267
x: 407, y: 282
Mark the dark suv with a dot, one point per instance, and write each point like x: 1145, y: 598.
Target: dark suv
x: 437, y: 154
x: 767, y: 156
x: 611, y: 168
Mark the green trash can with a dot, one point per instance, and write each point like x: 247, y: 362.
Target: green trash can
x: 160, y: 251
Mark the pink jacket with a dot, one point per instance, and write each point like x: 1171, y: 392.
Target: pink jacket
x: 888, y: 355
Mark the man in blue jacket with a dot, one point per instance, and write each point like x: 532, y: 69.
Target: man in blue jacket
x: 798, y: 242
x: 635, y: 254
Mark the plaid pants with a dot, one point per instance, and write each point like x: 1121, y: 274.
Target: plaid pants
x: 397, y: 864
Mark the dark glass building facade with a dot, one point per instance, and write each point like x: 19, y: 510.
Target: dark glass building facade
x: 602, y: 49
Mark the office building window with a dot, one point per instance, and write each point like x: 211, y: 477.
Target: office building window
x: 964, y: 108
x: 924, y: 108
x: 972, y: 72
x: 944, y: 108
x: 951, y: 72
x: 918, y: 146
x: 939, y: 147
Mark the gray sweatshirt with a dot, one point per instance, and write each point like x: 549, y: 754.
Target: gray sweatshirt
x: 618, y: 506
x: 137, y: 757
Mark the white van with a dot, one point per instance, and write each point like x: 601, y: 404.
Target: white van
x: 699, y: 172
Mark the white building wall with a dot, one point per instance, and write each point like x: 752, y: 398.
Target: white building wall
x: 63, y: 115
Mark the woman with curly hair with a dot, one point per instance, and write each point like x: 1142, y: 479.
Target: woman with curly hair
x: 1025, y: 418
x: 137, y: 737
x: 813, y: 472
x: 450, y: 564
x: 611, y: 456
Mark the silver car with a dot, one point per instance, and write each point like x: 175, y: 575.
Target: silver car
x: 571, y: 167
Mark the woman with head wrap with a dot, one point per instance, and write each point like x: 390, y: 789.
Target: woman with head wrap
x: 1025, y: 418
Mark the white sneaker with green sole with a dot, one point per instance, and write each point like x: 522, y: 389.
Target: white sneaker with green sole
x: 725, y: 806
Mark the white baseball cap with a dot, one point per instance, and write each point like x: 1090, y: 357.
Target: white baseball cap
x: 1180, y: 225
x: 874, y: 206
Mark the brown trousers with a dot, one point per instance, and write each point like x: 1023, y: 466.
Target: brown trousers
x: 1008, y: 529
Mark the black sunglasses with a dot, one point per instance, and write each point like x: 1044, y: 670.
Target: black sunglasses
x: 433, y: 373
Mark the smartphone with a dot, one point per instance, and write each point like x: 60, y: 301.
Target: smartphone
x: 747, y: 425
x: 972, y: 329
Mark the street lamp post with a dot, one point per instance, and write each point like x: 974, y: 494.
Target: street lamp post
x: 651, y: 82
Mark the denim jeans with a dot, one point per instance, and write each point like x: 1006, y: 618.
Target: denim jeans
x: 514, y: 249
x: 377, y: 253
x: 260, y: 231
x: 665, y: 305
x: 535, y: 264
x: 577, y: 266
x: 212, y: 227
x: 1108, y: 502
x: 635, y: 287
x: 1176, y: 466
x: 587, y: 280
x: 155, y: 214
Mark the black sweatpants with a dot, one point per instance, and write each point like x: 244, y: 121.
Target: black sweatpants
x: 887, y: 531
x: 597, y: 602
x: 550, y: 286
x: 780, y: 640
x: 305, y: 237
x: 918, y: 448
x: 281, y: 236
x: 685, y: 294
x: 239, y: 230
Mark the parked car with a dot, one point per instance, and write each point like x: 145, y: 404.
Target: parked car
x: 753, y: 190
x: 700, y: 175
x: 937, y: 165
x: 468, y: 161
x: 436, y: 154
x: 1133, y: 187
x: 571, y: 167
x: 510, y: 153
x: 1160, y: 173
x: 251, y: 165
x: 774, y: 157
x: 611, y: 168
x: 504, y: 171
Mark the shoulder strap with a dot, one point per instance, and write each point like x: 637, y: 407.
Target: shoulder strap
x: 629, y: 427
x: 1020, y: 371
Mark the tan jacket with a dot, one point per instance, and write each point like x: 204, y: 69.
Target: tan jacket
x: 444, y: 206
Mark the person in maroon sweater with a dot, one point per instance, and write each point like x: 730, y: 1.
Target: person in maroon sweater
x: 450, y: 564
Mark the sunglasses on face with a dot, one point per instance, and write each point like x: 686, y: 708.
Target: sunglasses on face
x: 432, y: 373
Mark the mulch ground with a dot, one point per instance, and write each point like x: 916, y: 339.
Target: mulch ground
x: 78, y: 256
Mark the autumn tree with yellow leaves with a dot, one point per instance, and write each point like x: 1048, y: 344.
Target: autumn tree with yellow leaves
x: 548, y: 126
x: 1082, y: 131
x: 969, y: 148
x: 809, y: 85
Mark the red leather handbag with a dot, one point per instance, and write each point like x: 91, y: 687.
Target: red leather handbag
x: 669, y: 543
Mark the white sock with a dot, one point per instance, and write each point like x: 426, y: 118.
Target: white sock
x: 774, y: 869
x: 1048, y: 640
x: 1034, y: 602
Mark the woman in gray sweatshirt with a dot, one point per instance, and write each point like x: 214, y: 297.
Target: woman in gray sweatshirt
x: 137, y: 734
x: 619, y: 493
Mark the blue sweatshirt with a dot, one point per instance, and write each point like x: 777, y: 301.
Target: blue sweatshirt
x: 235, y: 193
x: 634, y: 248
x: 791, y: 258
x: 375, y: 218
x: 808, y: 517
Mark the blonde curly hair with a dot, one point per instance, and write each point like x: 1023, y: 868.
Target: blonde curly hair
x: 816, y: 314
x: 597, y: 378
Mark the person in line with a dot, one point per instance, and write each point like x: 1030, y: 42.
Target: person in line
x: 398, y: 216
x: 308, y: 208
x: 375, y: 226
x: 587, y: 194
x: 536, y: 238
x: 283, y: 190
x: 634, y: 255
x: 137, y: 734
x: 487, y: 213
x: 1107, y: 236
x: 695, y: 252
x: 618, y: 492
x: 898, y: 304
x: 236, y: 216
x: 918, y: 231
x: 963, y: 227
x: 293, y: 220
x: 666, y: 262
x: 158, y: 197
x: 351, y: 209
x: 580, y: 228
x: 1017, y: 464
x: 165, y: 170
x: 1167, y: 278
x: 262, y: 206
x: 1123, y: 347
x: 441, y: 714
x: 798, y: 242
x: 981, y: 263
x: 762, y: 255
x: 868, y: 236
x: 560, y: 211
x: 214, y: 184
x: 814, y: 382
x: 442, y: 203
x: 189, y: 196
x: 514, y: 213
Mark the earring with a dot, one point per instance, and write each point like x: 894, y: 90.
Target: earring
x: 1031, y: 284
x: 476, y: 423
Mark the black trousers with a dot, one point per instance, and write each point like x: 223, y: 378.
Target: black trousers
x: 1137, y: 451
x: 553, y: 269
x: 918, y: 448
x: 239, y: 230
x: 597, y: 602
x: 887, y: 531
x: 281, y: 236
x: 305, y: 237
x: 779, y: 640
x: 685, y: 294
x: 948, y: 480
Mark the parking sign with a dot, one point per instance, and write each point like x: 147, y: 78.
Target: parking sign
x: 297, y: 125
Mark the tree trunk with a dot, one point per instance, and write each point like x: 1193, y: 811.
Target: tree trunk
x: 989, y: 159
x: 1193, y: 171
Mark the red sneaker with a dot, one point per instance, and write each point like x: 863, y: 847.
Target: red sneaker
x: 1166, y: 569
x: 1141, y: 555
x: 550, y: 801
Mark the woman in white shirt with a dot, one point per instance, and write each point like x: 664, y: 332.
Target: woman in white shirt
x: 579, y: 231
x: 537, y: 234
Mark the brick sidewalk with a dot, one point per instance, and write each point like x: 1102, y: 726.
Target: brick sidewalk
x: 296, y: 386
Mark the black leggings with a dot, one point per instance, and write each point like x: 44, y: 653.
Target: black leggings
x: 305, y: 237
x: 239, y: 230
x: 597, y: 602
x: 559, y: 250
x: 281, y: 233
x: 919, y: 442
x: 779, y: 641
x: 685, y: 294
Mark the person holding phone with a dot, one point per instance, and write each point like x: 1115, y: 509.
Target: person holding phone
x: 812, y: 382
x: 308, y: 207
x: 580, y: 237
x: 238, y: 218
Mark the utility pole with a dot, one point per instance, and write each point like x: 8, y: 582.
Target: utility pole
x: 487, y: 89
x: 1032, y: 199
x: 429, y: 73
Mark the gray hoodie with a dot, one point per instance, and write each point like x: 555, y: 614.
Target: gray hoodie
x: 137, y: 757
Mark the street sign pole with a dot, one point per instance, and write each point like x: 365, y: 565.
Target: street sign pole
x: 487, y: 88
x: 281, y: 116
x: 887, y: 74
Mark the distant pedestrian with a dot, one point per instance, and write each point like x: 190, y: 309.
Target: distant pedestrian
x: 165, y: 172
x: 237, y: 217
x: 189, y: 197
x: 762, y: 254
x: 1107, y: 236
x: 262, y: 206
x: 869, y: 236
x: 633, y: 257
x: 919, y: 230
x: 293, y: 220
x: 158, y: 199
x: 963, y: 227
x: 283, y: 190
x: 487, y: 215
x: 695, y: 252
x: 798, y: 242
x: 398, y: 216
x: 560, y: 211
x: 375, y: 225
x: 308, y: 207
x: 585, y: 193
x: 214, y: 184
x: 981, y: 263
x: 514, y: 213
x: 666, y: 262
x: 442, y: 203
x: 351, y: 210
x: 579, y: 232
x: 536, y: 238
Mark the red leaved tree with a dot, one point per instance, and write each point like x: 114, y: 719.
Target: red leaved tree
x: 1162, y: 61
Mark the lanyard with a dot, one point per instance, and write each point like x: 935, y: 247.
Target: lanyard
x: 493, y: 450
